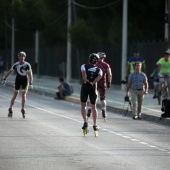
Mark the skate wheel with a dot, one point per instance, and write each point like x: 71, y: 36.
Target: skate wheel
x: 23, y: 115
x: 85, y: 131
x: 96, y: 133
x: 10, y: 115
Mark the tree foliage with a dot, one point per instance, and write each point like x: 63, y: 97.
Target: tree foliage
x: 93, y: 23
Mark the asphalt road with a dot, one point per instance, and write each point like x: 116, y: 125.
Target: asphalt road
x: 50, y: 138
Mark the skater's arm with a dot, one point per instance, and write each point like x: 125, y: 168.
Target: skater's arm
x: 84, y: 75
x: 97, y: 79
x: 109, y: 75
x: 31, y: 77
x: 8, y: 73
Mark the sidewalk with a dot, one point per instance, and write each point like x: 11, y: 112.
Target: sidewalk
x: 151, y: 111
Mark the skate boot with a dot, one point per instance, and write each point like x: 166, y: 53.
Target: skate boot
x: 23, y: 113
x: 96, y: 130
x: 10, y: 112
x: 85, y: 128
x: 89, y: 112
x: 104, y: 114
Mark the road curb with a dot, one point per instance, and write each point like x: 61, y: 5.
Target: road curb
x: 121, y: 111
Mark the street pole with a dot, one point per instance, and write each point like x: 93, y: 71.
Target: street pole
x: 37, y: 52
x: 166, y: 22
x: 168, y: 5
x: 13, y: 35
x: 68, y: 70
x: 124, y: 42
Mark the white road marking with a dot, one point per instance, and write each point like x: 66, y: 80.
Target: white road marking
x: 109, y: 131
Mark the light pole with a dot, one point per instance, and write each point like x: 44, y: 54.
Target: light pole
x: 68, y: 71
x: 37, y: 52
x: 124, y: 41
x: 166, y: 21
x: 168, y: 8
x: 13, y: 35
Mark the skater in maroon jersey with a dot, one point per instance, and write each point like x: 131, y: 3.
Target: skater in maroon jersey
x: 104, y: 83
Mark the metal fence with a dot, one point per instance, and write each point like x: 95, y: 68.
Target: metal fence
x: 52, y: 61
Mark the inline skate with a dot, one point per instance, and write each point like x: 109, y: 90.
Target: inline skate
x: 10, y: 112
x: 85, y: 128
x: 96, y: 131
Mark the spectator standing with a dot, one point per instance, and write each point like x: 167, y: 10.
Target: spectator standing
x: 64, y: 89
x: 138, y: 86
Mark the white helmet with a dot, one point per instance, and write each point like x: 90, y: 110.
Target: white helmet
x: 22, y: 53
x: 101, y: 54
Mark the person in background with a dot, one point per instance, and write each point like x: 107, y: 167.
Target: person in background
x: 132, y: 61
x: 164, y: 70
x: 64, y: 89
x: 155, y: 78
x: 138, y: 86
x: 1, y: 66
x: 104, y: 83
x: 24, y: 71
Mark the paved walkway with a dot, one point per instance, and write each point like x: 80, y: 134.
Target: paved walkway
x: 151, y: 111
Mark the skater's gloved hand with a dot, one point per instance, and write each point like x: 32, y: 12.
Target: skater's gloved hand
x: 108, y: 84
x: 30, y: 87
x: 3, y: 82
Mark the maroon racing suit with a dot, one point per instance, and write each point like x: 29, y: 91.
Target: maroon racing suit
x: 101, y: 84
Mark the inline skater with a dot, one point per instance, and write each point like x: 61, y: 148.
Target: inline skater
x: 23, y: 70
x: 91, y: 75
x: 102, y: 84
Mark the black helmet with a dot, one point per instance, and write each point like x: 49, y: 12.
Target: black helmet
x: 22, y: 53
x: 93, y: 58
x: 101, y: 54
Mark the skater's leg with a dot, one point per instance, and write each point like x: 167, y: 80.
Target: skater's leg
x: 103, y: 104
x: 23, y: 99
x: 94, y: 114
x: 83, y: 111
x: 102, y: 92
x: 14, y: 98
x: 89, y: 111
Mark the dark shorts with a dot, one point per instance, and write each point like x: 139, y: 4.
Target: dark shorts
x: 90, y: 91
x: 21, y: 84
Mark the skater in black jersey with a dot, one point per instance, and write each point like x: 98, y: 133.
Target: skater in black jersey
x: 24, y: 71
x: 91, y: 74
